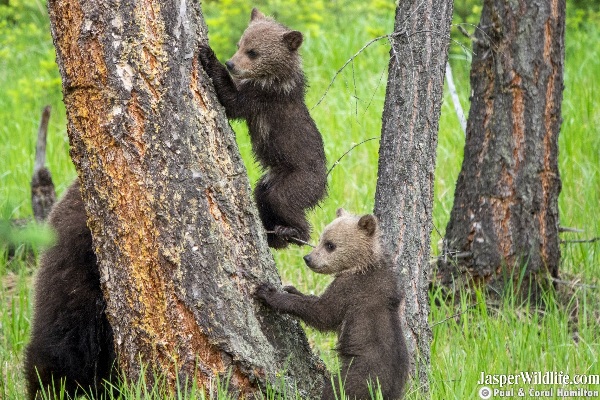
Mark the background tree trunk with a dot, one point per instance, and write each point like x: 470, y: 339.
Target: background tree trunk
x: 43, y: 195
x: 178, y: 240
x: 505, y: 211
x: 404, y: 193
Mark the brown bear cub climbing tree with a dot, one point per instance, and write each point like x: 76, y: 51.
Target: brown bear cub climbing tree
x: 263, y: 83
x: 361, y: 304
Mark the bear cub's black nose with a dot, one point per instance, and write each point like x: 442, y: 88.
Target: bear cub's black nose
x: 229, y: 65
x: 307, y: 259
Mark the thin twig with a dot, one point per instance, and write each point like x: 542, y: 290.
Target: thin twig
x: 455, y: 256
x: 349, y: 150
x: 389, y: 37
x: 355, y: 93
x: 462, y: 30
x: 573, y: 284
x: 383, y: 71
x: 592, y: 240
x: 295, y: 239
x: 348, y: 61
x: 485, y: 41
x: 437, y: 231
x: 455, y: 315
x: 567, y: 229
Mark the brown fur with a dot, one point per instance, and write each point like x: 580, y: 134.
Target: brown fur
x: 264, y: 84
x: 71, y: 339
x: 361, y: 304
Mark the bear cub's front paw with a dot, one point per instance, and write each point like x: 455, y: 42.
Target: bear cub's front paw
x: 206, y: 55
x: 264, y: 292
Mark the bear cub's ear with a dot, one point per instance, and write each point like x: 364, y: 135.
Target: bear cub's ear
x: 340, y: 212
x: 256, y: 14
x: 293, y: 40
x: 368, y: 223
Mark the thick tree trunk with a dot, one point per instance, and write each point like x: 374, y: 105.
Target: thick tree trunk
x: 404, y: 194
x: 505, y: 212
x: 179, y: 242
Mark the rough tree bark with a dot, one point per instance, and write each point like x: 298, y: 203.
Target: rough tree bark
x: 505, y: 211
x: 179, y: 242
x: 404, y: 193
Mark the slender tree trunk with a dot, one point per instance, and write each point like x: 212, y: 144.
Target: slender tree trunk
x: 404, y: 194
x: 178, y: 239
x: 505, y: 212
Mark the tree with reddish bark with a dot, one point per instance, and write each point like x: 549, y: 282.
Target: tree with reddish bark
x: 504, y: 222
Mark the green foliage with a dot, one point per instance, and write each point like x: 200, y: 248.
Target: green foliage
x: 31, y: 235
x: 29, y: 80
x: 20, y: 239
x: 227, y: 19
x: 24, y: 33
x: 15, y: 298
x: 582, y: 18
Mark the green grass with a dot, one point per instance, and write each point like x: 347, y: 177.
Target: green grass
x: 493, y: 338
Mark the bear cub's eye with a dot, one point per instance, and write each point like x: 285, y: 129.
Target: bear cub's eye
x: 329, y: 246
x: 252, y: 53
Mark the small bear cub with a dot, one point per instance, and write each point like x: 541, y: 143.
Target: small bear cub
x: 361, y: 305
x: 263, y: 83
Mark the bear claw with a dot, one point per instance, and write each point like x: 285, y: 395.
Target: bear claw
x: 264, y: 291
x: 292, y: 290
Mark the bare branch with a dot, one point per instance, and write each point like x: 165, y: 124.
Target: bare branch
x: 40, y: 148
x: 455, y: 315
x: 452, y: 256
x: 592, y: 240
x: 574, y: 284
x: 348, y: 61
x: 349, y: 150
x: 567, y: 229
x: 294, y: 239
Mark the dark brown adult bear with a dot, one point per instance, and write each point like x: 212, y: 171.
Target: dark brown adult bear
x: 361, y: 304
x: 264, y: 84
x: 71, y: 339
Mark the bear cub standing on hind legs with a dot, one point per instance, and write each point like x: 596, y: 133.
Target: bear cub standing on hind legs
x: 263, y: 83
x: 361, y: 304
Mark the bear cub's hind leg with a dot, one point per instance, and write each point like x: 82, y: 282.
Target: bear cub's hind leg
x: 281, y: 212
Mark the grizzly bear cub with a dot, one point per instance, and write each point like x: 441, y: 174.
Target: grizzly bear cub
x: 263, y: 83
x: 71, y: 340
x: 361, y: 304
